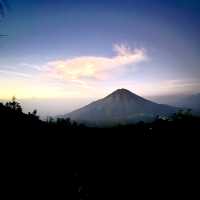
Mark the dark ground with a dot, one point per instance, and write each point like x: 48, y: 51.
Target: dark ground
x: 64, y: 158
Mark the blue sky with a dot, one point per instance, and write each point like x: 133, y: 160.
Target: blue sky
x: 64, y: 48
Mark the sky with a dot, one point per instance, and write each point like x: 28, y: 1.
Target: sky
x: 86, y: 49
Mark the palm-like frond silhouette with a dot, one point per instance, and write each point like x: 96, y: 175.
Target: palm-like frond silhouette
x: 3, y: 8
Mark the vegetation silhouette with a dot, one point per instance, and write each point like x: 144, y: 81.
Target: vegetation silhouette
x: 3, y: 8
x: 13, y: 119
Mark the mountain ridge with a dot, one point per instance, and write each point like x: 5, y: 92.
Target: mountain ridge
x: 121, y: 106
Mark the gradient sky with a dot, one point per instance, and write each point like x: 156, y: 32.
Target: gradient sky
x: 81, y: 48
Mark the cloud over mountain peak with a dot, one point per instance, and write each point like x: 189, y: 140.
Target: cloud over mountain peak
x: 95, y: 67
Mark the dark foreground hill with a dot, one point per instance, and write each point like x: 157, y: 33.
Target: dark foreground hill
x: 120, y: 107
x: 54, y: 156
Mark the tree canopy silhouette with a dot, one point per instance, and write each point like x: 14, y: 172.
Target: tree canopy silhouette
x: 14, y: 105
x: 3, y: 8
x: 12, y: 118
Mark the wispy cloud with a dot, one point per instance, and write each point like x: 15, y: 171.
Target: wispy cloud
x: 93, y: 67
x: 31, y: 66
x: 181, y: 85
x: 15, y: 73
x: 164, y: 87
x: 78, y: 76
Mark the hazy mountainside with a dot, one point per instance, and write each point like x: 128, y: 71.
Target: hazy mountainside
x: 192, y: 101
x: 28, y: 127
x: 120, y: 106
x: 181, y: 101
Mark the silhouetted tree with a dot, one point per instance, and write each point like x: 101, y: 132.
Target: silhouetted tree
x: 182, y: 123
x: 33, y: 115
x: 34, y: 112
x: 50, y: 120
x: 3, y: 8
x: 14, y: 105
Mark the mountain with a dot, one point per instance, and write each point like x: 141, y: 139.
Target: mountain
x: 121, y: 106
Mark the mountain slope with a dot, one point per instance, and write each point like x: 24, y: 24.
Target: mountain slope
x: 192, y: 101
x: 118, y: 107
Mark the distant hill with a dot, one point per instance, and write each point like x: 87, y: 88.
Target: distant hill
x: 121, y: 106
x: 192, y: 101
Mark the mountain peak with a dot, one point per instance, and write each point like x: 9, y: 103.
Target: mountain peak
x: 122, y: 93
x: 120, y: 106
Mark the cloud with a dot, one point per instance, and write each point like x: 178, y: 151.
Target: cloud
x: 8, y: 72
x: 182, y: 86
x: 34, y: 67
x: 93, y: 67
x: 163, y: 87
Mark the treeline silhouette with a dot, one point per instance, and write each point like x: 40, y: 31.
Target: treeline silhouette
x: 87, y: 166
x: 13, y: 119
